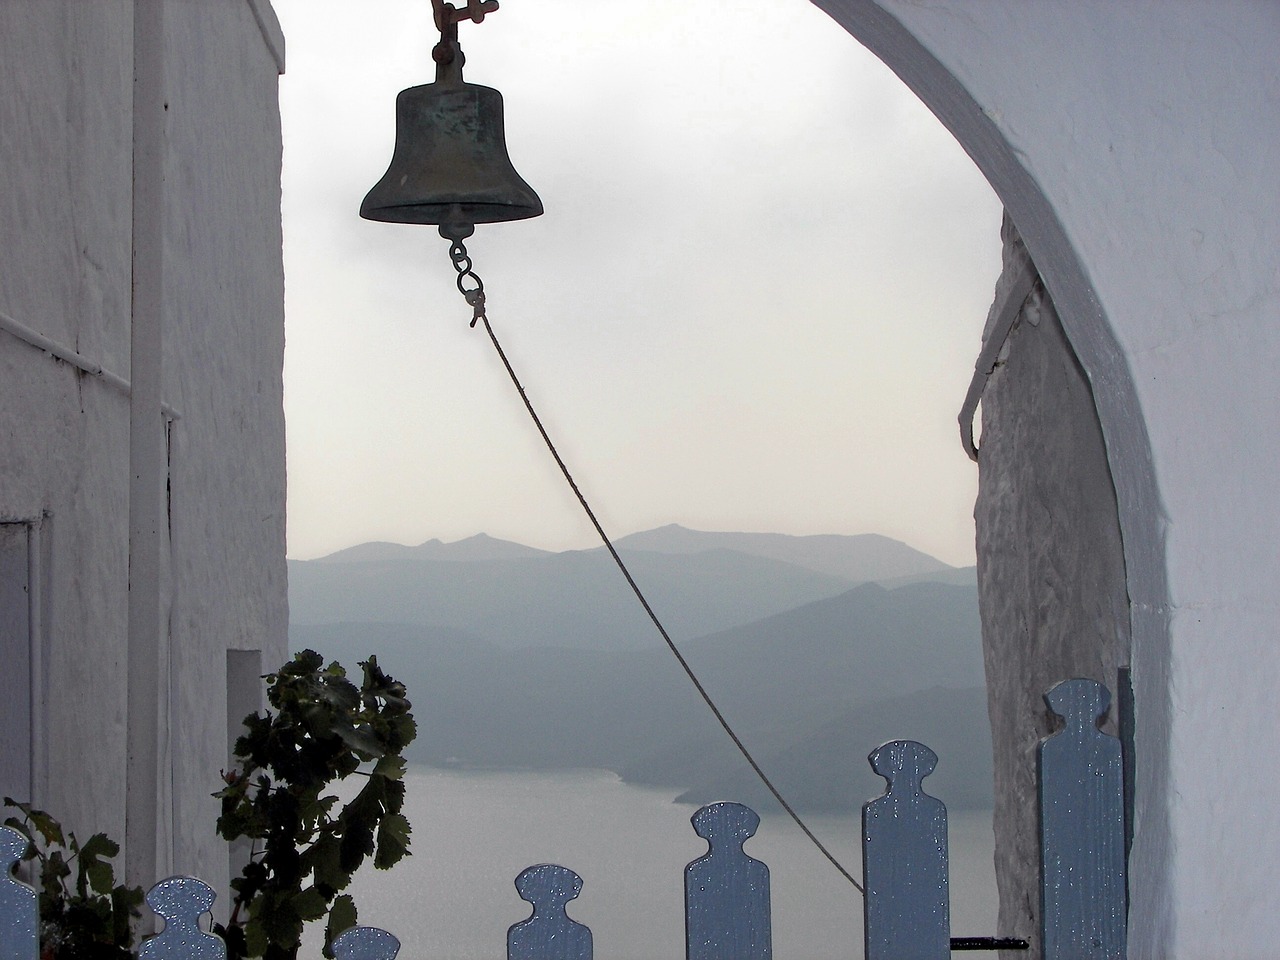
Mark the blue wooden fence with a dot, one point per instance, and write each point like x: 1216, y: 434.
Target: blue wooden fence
x: 727, y: 899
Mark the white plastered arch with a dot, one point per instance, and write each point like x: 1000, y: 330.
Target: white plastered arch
x: 1135, y: 147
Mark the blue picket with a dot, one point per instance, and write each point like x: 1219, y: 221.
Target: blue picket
x: 19, y: 904
x: 180, y: 902
x: 549, y: 933
x: 906, y: 914
x: 726, y: 891
x: 1081, y: 774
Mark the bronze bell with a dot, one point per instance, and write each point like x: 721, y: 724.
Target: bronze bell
x: 450, y: 165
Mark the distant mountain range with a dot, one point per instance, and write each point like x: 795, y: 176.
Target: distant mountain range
x: 517, y: 596
x: 524, y: 658
x: 480, y: 547
x: 860, y: 558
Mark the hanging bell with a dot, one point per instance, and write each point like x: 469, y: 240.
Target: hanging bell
x: 450, y: 165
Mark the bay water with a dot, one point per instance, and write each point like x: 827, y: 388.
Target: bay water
x: 474, y: 831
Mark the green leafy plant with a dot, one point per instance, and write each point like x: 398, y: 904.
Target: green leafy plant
x: 305, y: 846
x: 89, y: 917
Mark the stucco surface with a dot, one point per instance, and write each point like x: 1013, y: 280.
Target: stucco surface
x: 66, y: 149
x: 223, y: 368
x: 1135, y: 146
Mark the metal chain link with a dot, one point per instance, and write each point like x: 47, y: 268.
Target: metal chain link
x: 473, y: 295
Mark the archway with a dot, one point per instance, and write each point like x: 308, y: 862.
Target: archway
x: 955, y: 63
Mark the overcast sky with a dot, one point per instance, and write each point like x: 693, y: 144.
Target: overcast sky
x: 753, y: 303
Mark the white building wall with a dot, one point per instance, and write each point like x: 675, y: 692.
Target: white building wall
x: 224, y: 294
x: 66, y: 196
x: 1135, y: 145
x: 65, y: 153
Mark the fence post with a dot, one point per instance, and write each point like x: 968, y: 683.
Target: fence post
x: 906, y: 913
x: 1082, y: 886
x: 19, y: 905
x: 726, y: 891
x: 180, y: 902
x: 549, y: 933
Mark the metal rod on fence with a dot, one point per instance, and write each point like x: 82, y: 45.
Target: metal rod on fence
x: 988, y: 943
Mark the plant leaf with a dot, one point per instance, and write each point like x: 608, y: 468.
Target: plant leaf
x: 361, y: 739
x: 255, y: 938
x: 100, y: 875
x: 393, y: 841
x: 342, y: 917
x: 310, y: 904
x: 99, y: 845
x: 126, y: 904
x: 49, y: 828
x: 391, y: 766
x: 323, y: 859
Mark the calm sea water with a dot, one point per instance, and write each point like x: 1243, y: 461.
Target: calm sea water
x: 474, y: 831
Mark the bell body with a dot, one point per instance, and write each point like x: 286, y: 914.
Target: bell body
x: 450, y: 164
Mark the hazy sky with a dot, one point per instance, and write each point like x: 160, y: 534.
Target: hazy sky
x: 753, y: 302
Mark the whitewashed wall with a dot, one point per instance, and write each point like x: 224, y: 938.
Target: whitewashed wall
x: 1135, y: 146
x: 65, y: 149
x: 67, y: 145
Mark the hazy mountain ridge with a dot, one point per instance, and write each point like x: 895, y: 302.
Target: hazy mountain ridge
x: 479, y: 547
x: 811, y: 687
x: 574, y: 599
x: 954, y: 576
x: 513, y: 595
x: 857, y: 558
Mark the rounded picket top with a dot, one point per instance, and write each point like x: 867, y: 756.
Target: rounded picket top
x: 548, y: 883
x: 19, y: 903
x: 12, y: 846
x: 906, y: 761
x: 180, y: 902
x: 365, y: 943
x: 1080, y: 702
x: 725, y: 820
x: 181, y: 897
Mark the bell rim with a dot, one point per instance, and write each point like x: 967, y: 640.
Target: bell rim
x: 434, y: 214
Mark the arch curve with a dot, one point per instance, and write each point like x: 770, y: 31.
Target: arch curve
x: 913, y: 40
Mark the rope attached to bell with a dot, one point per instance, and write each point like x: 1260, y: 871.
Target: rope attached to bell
x: 483, y: 187
x: 476, y: 300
